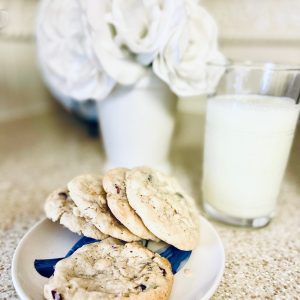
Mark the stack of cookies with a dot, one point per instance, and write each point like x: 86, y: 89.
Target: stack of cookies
x: 129, y: 205
x: 121, y: 206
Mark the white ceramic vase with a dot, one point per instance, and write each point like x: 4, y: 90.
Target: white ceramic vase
x: 137, y: 124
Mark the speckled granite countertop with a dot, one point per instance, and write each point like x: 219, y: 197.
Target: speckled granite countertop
x: 41, y: 152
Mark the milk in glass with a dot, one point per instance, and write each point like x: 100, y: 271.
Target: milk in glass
x: 247, y: 144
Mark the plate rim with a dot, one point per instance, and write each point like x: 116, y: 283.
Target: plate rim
x: 23, y: 296
x: 218, y: 279
x: 14, y: 271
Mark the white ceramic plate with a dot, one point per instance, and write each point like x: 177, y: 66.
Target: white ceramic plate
x: 198, y: 279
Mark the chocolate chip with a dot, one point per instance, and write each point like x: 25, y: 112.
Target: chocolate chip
x: 149, y: 177
x: 63, y: 195
x: 117, y: 188
x: 143, y: 287
x: 56, y: 295
x: 179, y: 195
x: 163, y: 271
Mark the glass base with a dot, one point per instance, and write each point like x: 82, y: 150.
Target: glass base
x: 244, y: 222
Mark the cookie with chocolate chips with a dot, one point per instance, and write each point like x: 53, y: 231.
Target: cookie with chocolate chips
x: 60, y: 207
x: 165, y: 209
x: 90, y: 197
x: 114, y: 185
x: 111, y: 270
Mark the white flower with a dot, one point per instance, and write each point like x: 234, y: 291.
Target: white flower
x: 65, y: 53
x: 182, y: 63
x: 127, y: 34
x: 85, y: 47
x: 143, y: 26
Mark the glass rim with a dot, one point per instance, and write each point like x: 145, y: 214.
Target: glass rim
x: 272, y: 66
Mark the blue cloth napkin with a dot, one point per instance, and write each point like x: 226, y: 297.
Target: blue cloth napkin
x: 176, y: 257
x: 45, y: 267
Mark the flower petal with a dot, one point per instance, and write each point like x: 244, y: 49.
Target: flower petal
x: 115, y: 59
x: 182, y: 63
x: 68, y: 64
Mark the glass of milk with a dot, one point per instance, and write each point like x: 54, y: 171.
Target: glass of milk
x: 250, y: 124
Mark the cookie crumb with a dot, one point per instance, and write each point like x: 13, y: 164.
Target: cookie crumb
x: 188, y: 272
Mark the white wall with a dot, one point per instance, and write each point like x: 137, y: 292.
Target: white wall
x: 258, y: 29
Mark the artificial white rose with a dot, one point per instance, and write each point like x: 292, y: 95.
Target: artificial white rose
x: 65, y: 53
x: 144, y: 25
x: 116, y: 59
x: 127, y: 35
x: 182, y: 63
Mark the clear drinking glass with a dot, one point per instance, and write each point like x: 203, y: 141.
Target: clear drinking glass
x: 250, y: 124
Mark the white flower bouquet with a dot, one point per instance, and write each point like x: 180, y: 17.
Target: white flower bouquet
x: 87, y: 47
